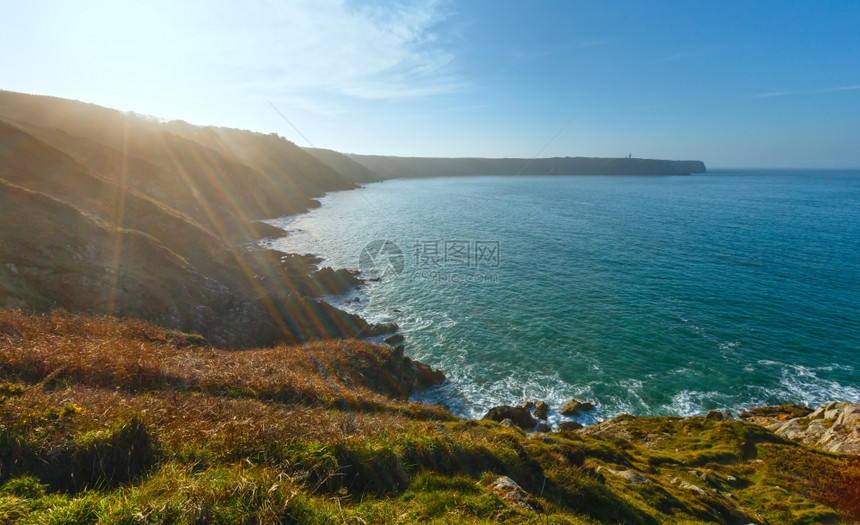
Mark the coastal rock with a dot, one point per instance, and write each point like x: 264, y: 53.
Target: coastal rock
x: 379, y: 329
x: 335, y: 282
x: 513, y: 495
x: 425, y: 375
x: 768, y: 415
x: 575, y: 407
x: 543, y: 427
x: 719, y: 415
x: 569, y: 425
x: 541, y: 410
x: 395, y: 339
x: 520, y: 416
x: 834, y: 427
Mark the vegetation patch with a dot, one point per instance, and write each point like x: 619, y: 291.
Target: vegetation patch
x: 112, y: 421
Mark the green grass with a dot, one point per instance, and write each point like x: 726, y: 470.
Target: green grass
x: 323, y: 433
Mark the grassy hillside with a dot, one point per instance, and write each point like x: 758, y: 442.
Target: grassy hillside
x: 122, y: 422
x: 110, y: 213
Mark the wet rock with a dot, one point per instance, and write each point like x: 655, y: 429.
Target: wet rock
x: 520, y: 416
x: 719, y: 415
x: 395, y: 339
x: 379, y: 329
x: 543, y: 427
x: 541, y: 410
x: 569, y: 425
x: 575, y: 407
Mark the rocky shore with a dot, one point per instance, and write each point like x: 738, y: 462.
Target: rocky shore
x: 832, y: 427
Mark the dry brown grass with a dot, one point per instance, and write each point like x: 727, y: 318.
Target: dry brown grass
x: 133, y: 356
x: 78, y: 379
x: 85, y: 374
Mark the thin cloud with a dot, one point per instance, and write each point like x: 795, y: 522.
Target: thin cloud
x: 842, y: 88
x: 390, y: 51
x: 807, y: 92
x: 771, y: 94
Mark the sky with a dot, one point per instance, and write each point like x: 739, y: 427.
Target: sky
x: 733, y: 83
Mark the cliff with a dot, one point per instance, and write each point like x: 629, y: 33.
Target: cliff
x: 410, y: 167
x: 111, y: 213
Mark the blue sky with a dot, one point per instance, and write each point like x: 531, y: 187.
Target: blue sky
x: 736, y: 84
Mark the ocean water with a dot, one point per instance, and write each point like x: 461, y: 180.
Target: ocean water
x: 644, y: 295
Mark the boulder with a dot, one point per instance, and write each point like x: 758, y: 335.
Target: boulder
x: 395, y: 339
x: 543, y: 427
x: 520, y: 416
x: 569, y: 425
x: 719, y: 415
x: 575, y: 408
x: 379, y: 329
x: 513, y: 495
x: 541, y: 410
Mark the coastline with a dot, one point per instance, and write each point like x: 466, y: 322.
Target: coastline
x: 811, y: 392
x: 157, y: 365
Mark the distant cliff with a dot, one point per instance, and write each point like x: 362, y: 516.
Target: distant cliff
x: 411, y: 167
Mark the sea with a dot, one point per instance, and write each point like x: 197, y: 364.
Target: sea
x: 646, y: 295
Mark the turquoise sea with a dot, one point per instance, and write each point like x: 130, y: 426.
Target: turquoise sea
x: 646, y: 295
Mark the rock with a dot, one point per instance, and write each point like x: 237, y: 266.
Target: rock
x: 767, y: 415
x: 630, y: 475
x: 379, y: 329
x: 513, y: 495
x: 529, y: 404
x: 569, y: 425
x: 541, y: 410
x: 520, y: 416
x: 395, y: 339
x: 425, y: 375
x: 834, y: 427
x: 543, y: 427
x: 574, y: 407
x: 689, y: 486
x: 507, y: 423
x: 719, y: 415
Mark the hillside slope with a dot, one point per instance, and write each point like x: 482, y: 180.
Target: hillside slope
x: 114, y: 214
x: 122, y: 422
x: 211, y: 186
